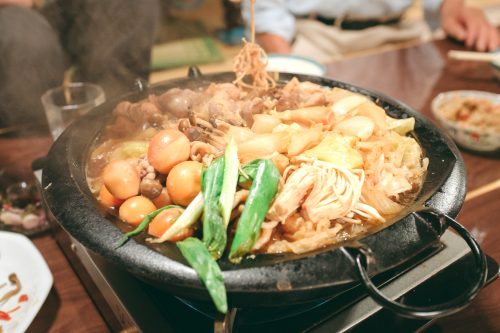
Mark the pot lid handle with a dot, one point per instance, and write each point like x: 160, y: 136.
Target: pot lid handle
x: 359, y: 259
x: 194, y: 72
x: 141, y: 86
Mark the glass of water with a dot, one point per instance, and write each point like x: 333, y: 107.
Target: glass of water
x: 65, y: 103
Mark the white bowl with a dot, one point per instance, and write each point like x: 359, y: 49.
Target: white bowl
x: 470, y: 137
x: 284, y: 63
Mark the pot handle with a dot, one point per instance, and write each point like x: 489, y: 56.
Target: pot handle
x: 358, y: 259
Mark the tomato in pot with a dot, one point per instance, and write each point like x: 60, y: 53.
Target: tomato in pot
x: 184, y: 182
x: 168, y: 148
x: 107, y: 199
x: 121, y: 178
x: 135, y: 209
x: 163, y: 221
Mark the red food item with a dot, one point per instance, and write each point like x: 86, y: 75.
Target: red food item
x: 23, y: 298
x: 4, y: 315
x: 168, y: 148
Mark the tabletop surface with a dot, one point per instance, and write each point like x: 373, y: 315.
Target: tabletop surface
x: 414, y: 75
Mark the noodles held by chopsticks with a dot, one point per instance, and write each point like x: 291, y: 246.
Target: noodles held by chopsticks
x: 252, y: 61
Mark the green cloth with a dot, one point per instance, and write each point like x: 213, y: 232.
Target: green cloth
x: 192, y: 51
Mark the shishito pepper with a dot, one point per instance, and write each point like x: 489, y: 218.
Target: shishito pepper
x: 264, y: 187
x: 197, y: 255
x: 214, y: 228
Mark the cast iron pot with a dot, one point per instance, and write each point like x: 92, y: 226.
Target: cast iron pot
x: 270, y: 280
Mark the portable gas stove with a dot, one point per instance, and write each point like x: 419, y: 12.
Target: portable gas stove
x: 128, y: 304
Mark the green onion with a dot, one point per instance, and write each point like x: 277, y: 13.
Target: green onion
x: 206, y: 267
x: 229, y: 183
x: 214, y: 229
x: 248, y: 171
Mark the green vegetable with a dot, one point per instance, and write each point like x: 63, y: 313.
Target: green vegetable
x: 231, y: 166
x: 214, y: 229
x: 188, y: 217
x: 264, y: 188
x: 145, y: 222
x: 207, y: 269
x: 248, y: 172
x: 130, y: 149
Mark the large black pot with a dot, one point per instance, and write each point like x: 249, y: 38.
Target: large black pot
x: 268, y: 279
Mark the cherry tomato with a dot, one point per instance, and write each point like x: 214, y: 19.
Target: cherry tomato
x: 121, y: 178
x: 184, y: 182
x: 168, y: 148
x: 135, y: 209
x: 107, y: 199
x: 164, y: 220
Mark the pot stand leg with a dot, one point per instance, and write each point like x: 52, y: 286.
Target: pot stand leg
x: 224, y: 324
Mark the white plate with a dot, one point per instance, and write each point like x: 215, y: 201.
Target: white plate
x: 294, y: 64
x: 19, y: 255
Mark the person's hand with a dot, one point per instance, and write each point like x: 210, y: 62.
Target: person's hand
x: 272, y: 43
x: 469, y: 25
x: 21, y: 3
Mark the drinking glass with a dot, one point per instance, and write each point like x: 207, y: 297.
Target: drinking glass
x: 65, y: 103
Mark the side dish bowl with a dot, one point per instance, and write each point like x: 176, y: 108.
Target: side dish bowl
x: 465, y: 135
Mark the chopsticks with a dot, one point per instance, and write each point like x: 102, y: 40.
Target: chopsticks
x: 473, y: 56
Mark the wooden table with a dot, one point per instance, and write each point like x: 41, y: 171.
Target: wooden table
x: 414, y: 75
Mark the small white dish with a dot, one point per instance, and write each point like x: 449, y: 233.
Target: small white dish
x: 18, y: 255
x: 477, y: 139
x: 283, y: 63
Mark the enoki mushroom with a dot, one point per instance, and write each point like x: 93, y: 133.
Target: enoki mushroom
x: 330, y: 198
x: 324, y: 191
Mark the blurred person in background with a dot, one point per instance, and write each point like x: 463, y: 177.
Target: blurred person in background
x: 326, y: 29
x: 108, y: 42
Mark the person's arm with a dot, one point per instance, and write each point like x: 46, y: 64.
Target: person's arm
x: 468, y: 24
x: 273, y: 43
x: 274, y: 24
x: 21, y: 3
